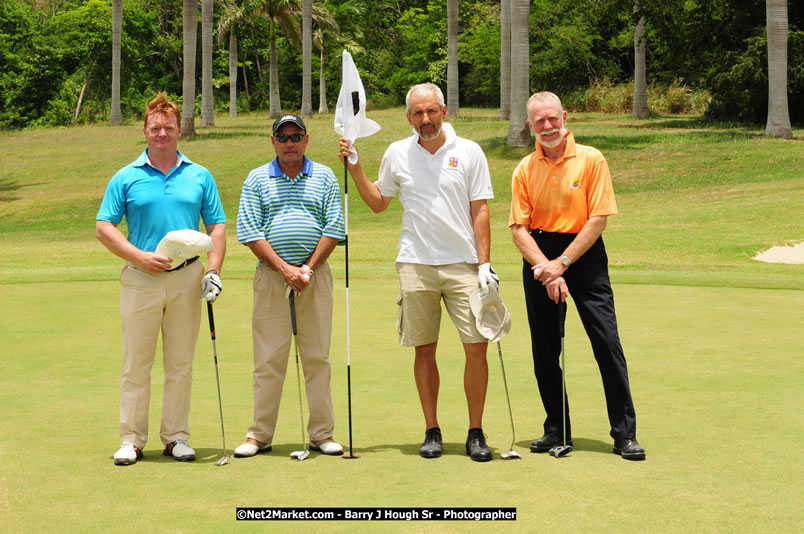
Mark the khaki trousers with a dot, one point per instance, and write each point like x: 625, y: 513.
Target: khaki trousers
x: 272, y: 335
x: 169, y: 302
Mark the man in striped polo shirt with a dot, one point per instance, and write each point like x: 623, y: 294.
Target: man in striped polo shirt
x: 292, y: 219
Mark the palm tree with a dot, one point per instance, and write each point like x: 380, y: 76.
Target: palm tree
x: 117, y: 31
x: 307, y: 58
x: 326, y: 28
x: 640, y: 109
x: 284, y: 13
x: 505, y: 59
x: 189, y: 33
x: 232, y: 72
x: 518, y: 132
x: 229, y: 7
x: 452, y: 58
x: 778, y: 114
x: 207, y: 105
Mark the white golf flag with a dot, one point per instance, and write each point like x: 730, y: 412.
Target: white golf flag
x: 350, y: 112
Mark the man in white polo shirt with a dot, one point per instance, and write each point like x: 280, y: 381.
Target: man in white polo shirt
x: 443, y: 182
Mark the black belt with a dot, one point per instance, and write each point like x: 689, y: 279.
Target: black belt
x: 539, y: 231
x: 182, y: 265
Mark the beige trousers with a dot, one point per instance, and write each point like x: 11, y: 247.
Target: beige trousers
x: 169, y: 302
x: 272, y: 337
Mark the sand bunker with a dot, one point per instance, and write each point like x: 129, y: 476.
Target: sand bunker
x: 784, y: 254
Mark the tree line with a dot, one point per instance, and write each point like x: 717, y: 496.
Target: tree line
x: 57, y: 57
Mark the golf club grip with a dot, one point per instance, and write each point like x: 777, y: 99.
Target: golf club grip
x: 292, y: 298
x: 562, y: 316
x: 211, y: 320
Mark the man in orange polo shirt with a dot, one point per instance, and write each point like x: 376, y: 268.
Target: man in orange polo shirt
x: 561, y: 198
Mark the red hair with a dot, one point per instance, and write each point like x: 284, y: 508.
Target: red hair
x: 161, y: 104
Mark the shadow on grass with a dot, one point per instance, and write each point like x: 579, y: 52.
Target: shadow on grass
x: 7, y: 186
x: 238, y: 131
x: 578, y: 444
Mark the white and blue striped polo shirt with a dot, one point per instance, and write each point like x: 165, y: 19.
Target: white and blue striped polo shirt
x: 290, y: 213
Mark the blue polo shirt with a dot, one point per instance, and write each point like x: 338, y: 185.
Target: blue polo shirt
x: 292, y: 214
x: 155, y: 204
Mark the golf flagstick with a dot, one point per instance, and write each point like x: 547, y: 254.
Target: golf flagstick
x: 351, y: 122
x: 225, y: 459
x: 356, y: 108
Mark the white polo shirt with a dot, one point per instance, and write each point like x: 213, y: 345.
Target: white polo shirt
x: 435, y: 191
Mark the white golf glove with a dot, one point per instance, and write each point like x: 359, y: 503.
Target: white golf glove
x: 211, y: 286
x: 486, y: 276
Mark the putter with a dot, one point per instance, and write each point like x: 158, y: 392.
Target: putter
x: 297, y: 455
x: 350, y: 456
x: 225, y: 459
x: 511, y: 454
x: 559, y: 451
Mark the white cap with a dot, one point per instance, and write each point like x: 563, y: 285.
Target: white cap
x: 180, y: 245
x: 492, y: 318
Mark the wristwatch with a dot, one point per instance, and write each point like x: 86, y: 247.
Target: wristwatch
x: 565, y: 260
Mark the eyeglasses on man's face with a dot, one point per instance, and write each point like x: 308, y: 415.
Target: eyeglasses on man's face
x: 283, y: 138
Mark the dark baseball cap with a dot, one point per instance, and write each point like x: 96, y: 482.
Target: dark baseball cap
x: 293, y: 119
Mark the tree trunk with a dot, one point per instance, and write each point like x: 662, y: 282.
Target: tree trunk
x: 117, y: 32
x: 207, y: 104
x: 453, y: 107
x: 322, y: 85
x: 307, y: 58
x: 84, y: 88
x: 275, y: 106
x: 245, y: 80
x: 232, y: 72
x: 778, y: 123
x: 518, y: 132
x: 640, y: 109
x: 505, y: 59
x: 257, y: 56
x: 190, y: 32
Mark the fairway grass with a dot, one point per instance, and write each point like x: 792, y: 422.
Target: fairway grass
x: 715, y: 375
x: 713, y: 341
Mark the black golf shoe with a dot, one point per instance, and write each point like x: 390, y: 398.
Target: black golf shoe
x: 547, y: 442
x: 476, y: 446
x: 629, y: 449
x: 431, y: 448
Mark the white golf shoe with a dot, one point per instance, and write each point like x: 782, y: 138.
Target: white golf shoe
x: 127, y: 454
x: 329, y: 447
x: 179, y: 450
x: 250, y: 448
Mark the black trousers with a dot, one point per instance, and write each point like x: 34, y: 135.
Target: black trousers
x: 590, y: 288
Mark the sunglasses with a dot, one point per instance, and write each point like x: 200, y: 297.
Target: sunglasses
x: 283, y: 138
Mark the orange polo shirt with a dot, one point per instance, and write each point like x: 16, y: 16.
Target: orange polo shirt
x: 561, y: 196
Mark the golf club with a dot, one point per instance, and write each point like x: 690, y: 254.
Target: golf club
x: 350, y: 456
x: 297, y: 455
x: 225, y: 459
x: 511, y: 454
x: 559, y: 451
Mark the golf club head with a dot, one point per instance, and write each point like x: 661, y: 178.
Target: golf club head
x: 300, y: 455
x: 559, y: 451
x: 511, y: 455
x: 223, y: 461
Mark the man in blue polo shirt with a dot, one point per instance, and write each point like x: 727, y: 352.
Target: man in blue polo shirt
x: 291, y: 218
x: 161, y: 191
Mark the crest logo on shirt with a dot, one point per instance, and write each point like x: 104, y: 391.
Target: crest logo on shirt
x: 453, y: 162
x: 576, y: 183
